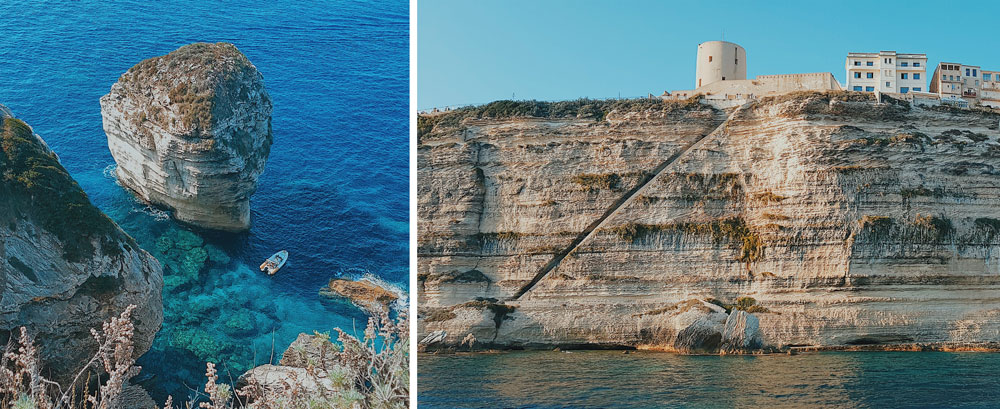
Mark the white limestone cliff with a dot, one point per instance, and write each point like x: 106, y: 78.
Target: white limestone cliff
x: 844, y: 223
x: 191, y: 132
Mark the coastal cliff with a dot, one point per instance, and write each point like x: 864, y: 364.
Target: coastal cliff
x: 65, y: 267
x: 191, y: 131
x: 822, y: 220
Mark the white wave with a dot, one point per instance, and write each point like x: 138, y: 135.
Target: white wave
x: 402, y: 301
x: 109, y: 171
x: 157, y: 214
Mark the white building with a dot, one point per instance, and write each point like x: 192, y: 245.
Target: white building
x: 719, y: 61
x: 721, y: 75
x: 886, y: 72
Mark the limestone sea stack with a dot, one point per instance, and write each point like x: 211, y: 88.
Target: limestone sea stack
x: 191, y: 132
x: 65, y: 267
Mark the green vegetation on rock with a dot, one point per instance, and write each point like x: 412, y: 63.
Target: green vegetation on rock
x: 37, y: 184
x: 594, y: 182
x: 731, y: 230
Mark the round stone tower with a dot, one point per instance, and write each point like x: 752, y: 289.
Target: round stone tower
x: 719, y: 61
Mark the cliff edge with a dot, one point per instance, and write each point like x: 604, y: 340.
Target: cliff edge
x: 822, y: 220
x: 65, y: 267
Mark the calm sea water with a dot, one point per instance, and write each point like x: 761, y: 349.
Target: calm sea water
x: 335, y: 190
x: 610, y: 379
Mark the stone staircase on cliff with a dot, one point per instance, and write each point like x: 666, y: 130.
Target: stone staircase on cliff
x: 616, y: 206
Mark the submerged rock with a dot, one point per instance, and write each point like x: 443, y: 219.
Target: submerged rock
x: 191, y: 131
x: 364, y: 293
x: 65, y: 267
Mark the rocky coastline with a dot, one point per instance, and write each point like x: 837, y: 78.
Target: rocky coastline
x: 65, y: 267
x: 850, y: 224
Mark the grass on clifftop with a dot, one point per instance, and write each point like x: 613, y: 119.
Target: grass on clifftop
x: 581, y: 108
x: 203, y: 65
x: 32, y: 180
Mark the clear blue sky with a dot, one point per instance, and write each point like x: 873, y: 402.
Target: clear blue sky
x: 477, y: 51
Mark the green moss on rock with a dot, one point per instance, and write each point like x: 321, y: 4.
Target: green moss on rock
x: 38, y: 185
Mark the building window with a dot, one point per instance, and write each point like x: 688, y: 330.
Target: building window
x: 904, y: 64
x: 902, y: 76
x: 916, y: 89
x: 986, y: 77
x: 871, y: 75
x: 869, y: 88
x: 857, y: 88
x: 710, y: 58
x: 870, y: 63
x: 966, y: 72
x: 887, y: 84
x: 857, y: 63
x: 916, y: 64
x: 903, y: 89
x: 857, y: 75
x: 916, y: 75
x: 974, y: 74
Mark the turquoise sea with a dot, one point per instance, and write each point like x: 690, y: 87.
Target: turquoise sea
x: 612, y: 379
x: 334, y: 192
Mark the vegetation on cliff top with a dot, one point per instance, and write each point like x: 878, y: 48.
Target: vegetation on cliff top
x: 33, y: 181
x: 204, y: 67
x: 581, y: 108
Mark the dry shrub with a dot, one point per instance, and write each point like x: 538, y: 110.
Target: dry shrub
x: 372, y: 372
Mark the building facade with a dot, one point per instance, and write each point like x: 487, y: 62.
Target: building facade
x: 989, y: 94
x: 886, y: 72
x: 721, y: 75
x: 965, y: 85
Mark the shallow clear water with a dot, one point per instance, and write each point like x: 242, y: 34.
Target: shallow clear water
x: 335, y: 190
x: 611, y: 379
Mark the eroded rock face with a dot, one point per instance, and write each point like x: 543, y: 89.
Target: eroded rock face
x: 65, y: 267
x: 364, y: 293
x: 191, y: 131
x: 741, y: 332
x: 310, y: 364
x: 849, y: 223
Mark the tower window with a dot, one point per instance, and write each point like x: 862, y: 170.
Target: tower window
x: 710, y: 58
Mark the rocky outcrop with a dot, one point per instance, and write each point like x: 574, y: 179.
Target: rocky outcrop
x: 741, y: 332
x: 365, y: 293
x: 829, y: 219
x: 65, y: 267
x: 191, y: 132
x: 309, y: 365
